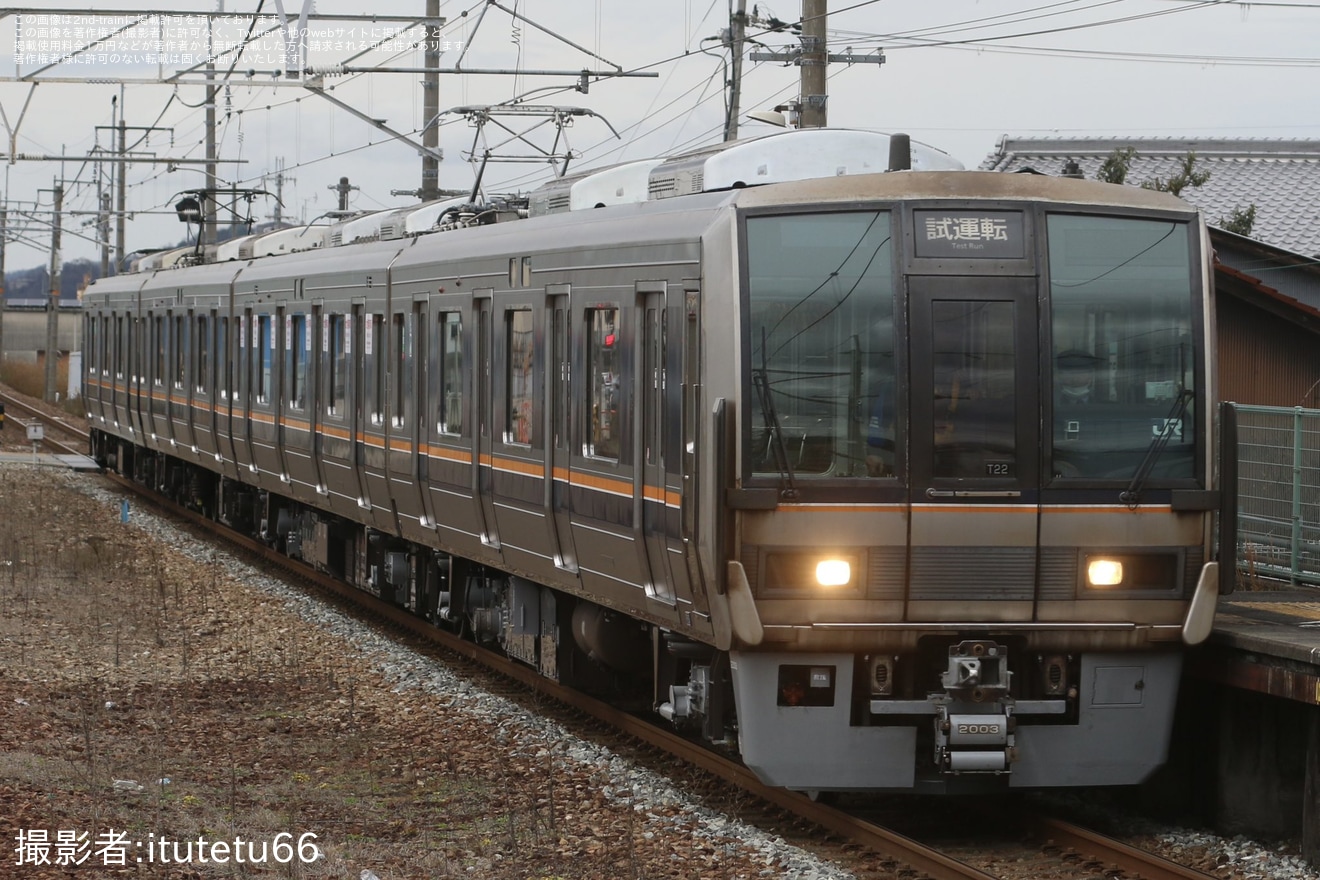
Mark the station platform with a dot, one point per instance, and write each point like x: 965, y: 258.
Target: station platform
x: 47, y: 459
x: 1265, y: 641
x: 1246, y: 743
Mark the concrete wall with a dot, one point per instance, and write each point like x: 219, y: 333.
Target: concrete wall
x: 25, y: 333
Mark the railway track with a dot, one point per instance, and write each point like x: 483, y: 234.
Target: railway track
x: 1060, y: 842
x: 19, y: 413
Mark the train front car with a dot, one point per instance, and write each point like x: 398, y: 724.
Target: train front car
x: 969, y: 532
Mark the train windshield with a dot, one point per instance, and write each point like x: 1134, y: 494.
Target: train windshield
x: 1123, y: 364
x: 822, y: 344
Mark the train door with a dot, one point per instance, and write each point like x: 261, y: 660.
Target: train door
x: 160, y: 378
x: 973, y: 447
x: 318, y: 342
x: 119, y: 385
x: 184, y: 395
x: 408, y: 433
x: 558, y: 419
x: 298, y: 410
x: 651, y: 494
x: 176, y: 376
x: 140, y: 398
x: 226, y: 385
x: 356, y: 336
x: 203, y: 384
x: 241, y: 411
x: 287, y: 325
x: 263, y: 399
x: 483, y: 477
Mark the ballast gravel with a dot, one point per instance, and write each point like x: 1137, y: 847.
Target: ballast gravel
x: 660, y: 809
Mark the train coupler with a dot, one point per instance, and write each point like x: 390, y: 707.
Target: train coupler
x: 974, y: 727
x: 975, y: 743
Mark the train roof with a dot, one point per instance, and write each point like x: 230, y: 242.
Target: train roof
x: 915, y: 185
x: 796, y: 167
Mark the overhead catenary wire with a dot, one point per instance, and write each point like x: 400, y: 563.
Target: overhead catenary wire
x: 987, y: 34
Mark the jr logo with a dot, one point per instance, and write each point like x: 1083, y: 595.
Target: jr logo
x: 1172, y: 426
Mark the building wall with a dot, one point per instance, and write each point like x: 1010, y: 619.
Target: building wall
x: 25, y: 333
x: 1265, y: 359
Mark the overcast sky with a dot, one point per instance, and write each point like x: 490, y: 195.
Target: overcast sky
x: 958, y: 75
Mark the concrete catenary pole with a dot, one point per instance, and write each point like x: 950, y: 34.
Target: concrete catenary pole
x: 121, y: 194
x: 53, y: 307
x: 431, y: 104
x: 737, y: 34
x: 815, y: 55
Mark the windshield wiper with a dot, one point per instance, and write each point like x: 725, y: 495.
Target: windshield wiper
x: 1131, y: 496
x: 761, y: 380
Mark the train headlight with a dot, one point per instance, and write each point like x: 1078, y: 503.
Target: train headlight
x: 1146, y: 570
x: 833, y: 572
x: 829, y: 570
x: 1102, y: 572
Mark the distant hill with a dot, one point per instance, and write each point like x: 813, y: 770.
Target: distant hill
x: 35, y: 283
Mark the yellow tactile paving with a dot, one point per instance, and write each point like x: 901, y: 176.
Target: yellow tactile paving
x: 1304, y: 610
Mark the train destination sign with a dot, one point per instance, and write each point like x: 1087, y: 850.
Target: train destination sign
x: 977, y: 235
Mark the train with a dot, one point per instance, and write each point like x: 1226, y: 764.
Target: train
x: 886, y: 475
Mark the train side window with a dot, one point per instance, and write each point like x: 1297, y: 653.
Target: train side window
x: 449, y: 418
x: 298, y: 332
x: 120, y: 346
x: 399, y: 340
x: 265, y: 342
x: 89, y: 328
x: 247, y: 335
x: 180, y: 351
x: 375, y: 352
x: 337, y: 365
x: 603, y: 384
x: 159, y: 342
x: 142, y: 334
x: 519, y: 344
x: 202, y: 370
x: 222, y: 357
x: 105, y: 345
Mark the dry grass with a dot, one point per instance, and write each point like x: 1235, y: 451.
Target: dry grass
x: 30, y: 378
x: 122, y: 661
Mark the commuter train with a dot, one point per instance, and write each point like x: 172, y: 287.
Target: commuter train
x: 885, y: 474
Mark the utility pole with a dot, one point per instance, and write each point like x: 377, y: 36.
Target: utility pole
x: 278, y: 217
x: 53, y: 307
x: 120, y: 131
x: 431, y: 104
x: 737, y: 33
x: 343, y: 188
x: 812, y: 57
x: 103, y: 231
x: 813, y: 60
x: 206, y: 229
x: 121, y: 194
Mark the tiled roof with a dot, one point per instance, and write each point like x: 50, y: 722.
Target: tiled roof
x: 1280, y: 177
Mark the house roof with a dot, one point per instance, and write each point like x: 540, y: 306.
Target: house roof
x: 1280, y: 177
